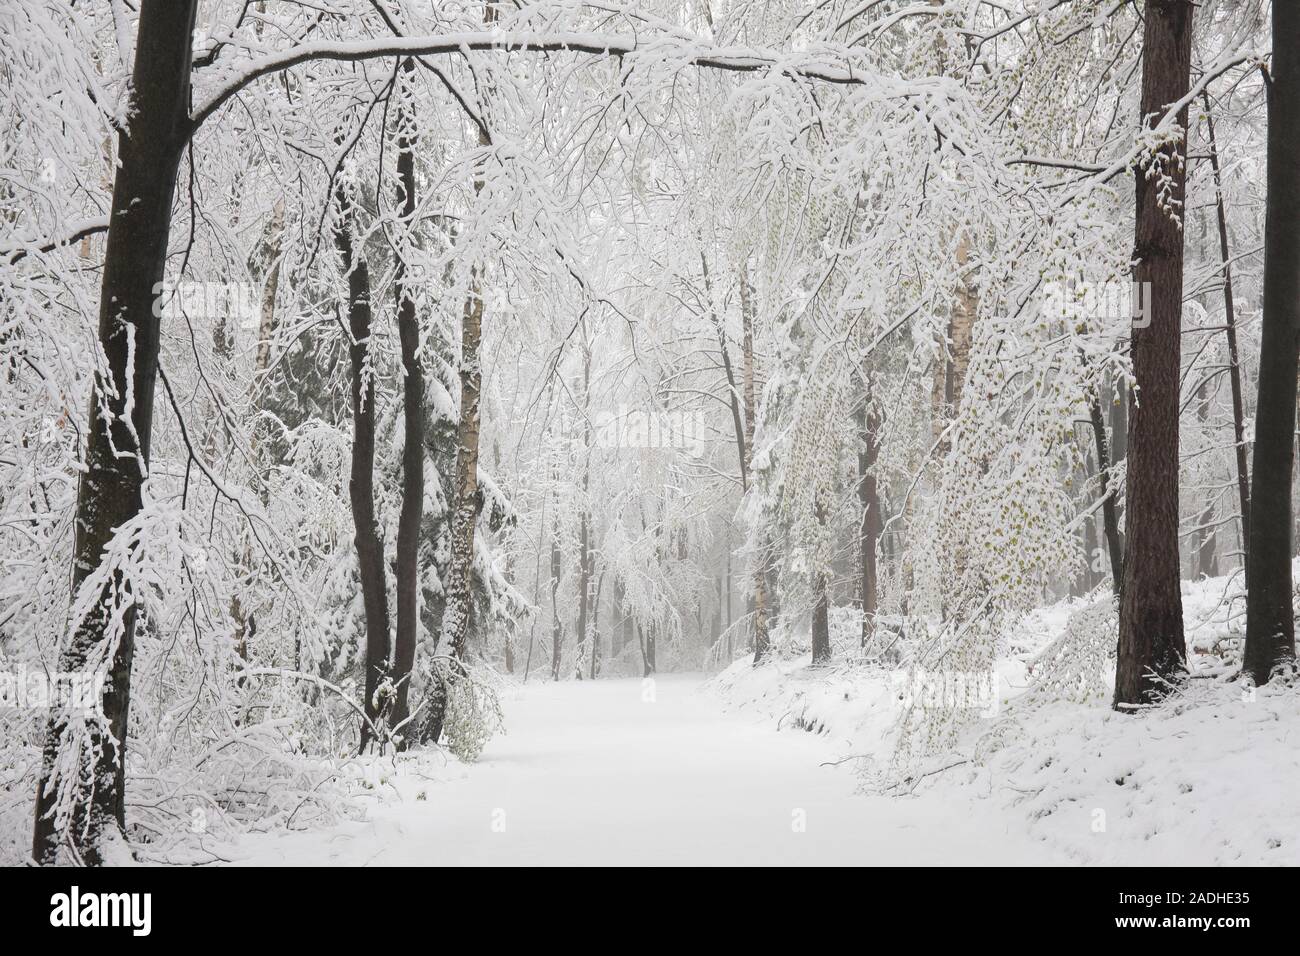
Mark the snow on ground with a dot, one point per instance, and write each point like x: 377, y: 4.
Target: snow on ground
x: 594, y: 773
x: 764, y: 766
x: 1208, y: 777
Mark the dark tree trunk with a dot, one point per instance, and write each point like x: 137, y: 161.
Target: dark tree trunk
x: 821, y: 634
x: 361, y: 484
x: 361, y: 491
x: 412, y: 513
x: 1270, y: 621
x: 620, y: 637
x: 109, y: 495
x: 871, y: 523
x: 595, y: 626
x: 1151, y: 642
x: 715, y: 621
x: 584, y: 595
x: 585, y: 643
x: 510, y: 576
x: 1230, y: 332
x: 1089, y: 538
x: 1119, y: 400
x: 557, y: 632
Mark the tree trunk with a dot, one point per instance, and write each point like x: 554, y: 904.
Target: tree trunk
x: 620, y: 637
x: 584, y: 594
x: 733, y: 395
x: 1270, y: 621
x: 870, y: 526
x: 412, y: 513
x: 1119, y: 403
x: 595, y: 625
x: 510, y: 632
x: 1109, y: 511
x: 510, y: 576
x: 1207, y: 556
x: 821, y: 634
x: 761, y: 639
x: 950, y: 373
x: 961, y: 325
x: 361, y: 485
x: 715, y: 621
x: 455, y: 623
x: 1091, y: 546
x: 585, y: 643
x: 465, y: 492
x: 1230, y: 332
x: 1151, y: 643
x: 557, y: 632
x: 81, y: 794
x: 730, y: 618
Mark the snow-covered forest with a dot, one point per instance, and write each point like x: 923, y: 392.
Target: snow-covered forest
x: 694, y: 431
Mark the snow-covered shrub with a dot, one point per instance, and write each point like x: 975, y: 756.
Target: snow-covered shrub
x: 473, y: 713
x: 1080, y: 664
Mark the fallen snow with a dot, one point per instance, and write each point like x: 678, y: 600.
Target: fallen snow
x: 595, y: 773
x: 779, y: 765
x: 1207, y: 778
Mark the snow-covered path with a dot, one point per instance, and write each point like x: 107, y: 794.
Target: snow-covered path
x: 590, y: 773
